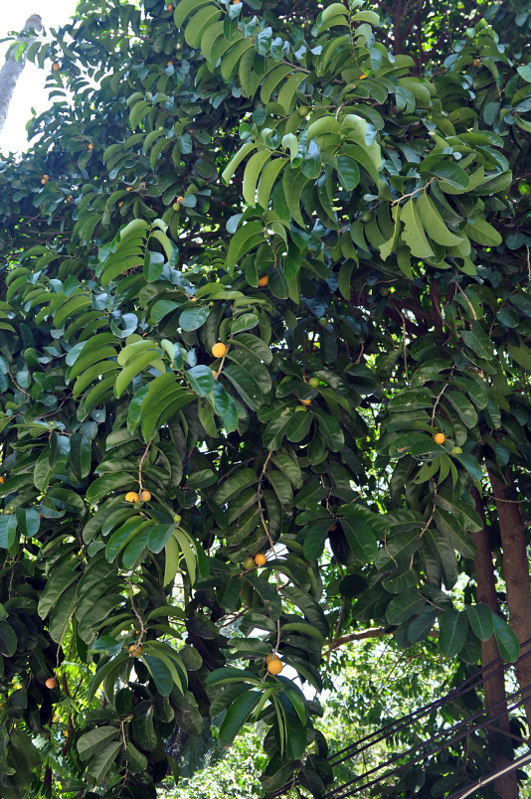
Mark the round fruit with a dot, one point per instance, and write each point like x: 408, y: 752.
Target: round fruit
x: 2, y: 480
x: 176, y: 518
x: 219, y: 349
x: 303, y: 110
x: 170, y: 7
x: 323, y: 321
x: 179, y: 200
x: 90, y: 146
x: 145, y: 496
x: 275, y: 665
x: 44, y: 181
x: 270, y: 657
x: 131, y: 496
x: 366, y: 216
x: 313, y: 382
x: 51, y: 682
x: 306, y: 401
x: 56, y: 67
x: 334, y: 527
x: 363, y: 75
x: 439, y: 438
x: 263, y: 281
x: 248, y: 563
x: 214, y: 373
x: 176, y: 207
x: 135, y: 650
x: 260, y: 559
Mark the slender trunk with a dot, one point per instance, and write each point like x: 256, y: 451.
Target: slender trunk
x: 12, y: 69
x: 516, y: 573
x: 494, y: 686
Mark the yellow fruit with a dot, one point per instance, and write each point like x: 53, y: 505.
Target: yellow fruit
x: 270, y: 657
x: 214, y: 373
x: 263, y: 281
x: 306, y: 402
x: 90, y: 146
x: 129, y: 188
x: 135, y: 650
x: 145, y: 496
x: 44, y: 181
x: 275, y: 665
x: 131, y: 496
x: 248, y: 563
x: 51, y: 682
x: 260, y: 559
x: 439, y: 438
x: 363, y: 75
x: 219, y: 350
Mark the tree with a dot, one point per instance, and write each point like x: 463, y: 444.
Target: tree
x: 262, y: 292
x: 12, y: 69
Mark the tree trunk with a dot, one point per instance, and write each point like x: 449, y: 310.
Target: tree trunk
x: 494, y: 686
x: 516, y: 573
x: 12, y: 69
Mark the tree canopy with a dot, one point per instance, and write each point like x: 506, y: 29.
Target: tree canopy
x: 263, y: 292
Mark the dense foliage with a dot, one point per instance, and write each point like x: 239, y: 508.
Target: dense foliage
x: 254, y: 263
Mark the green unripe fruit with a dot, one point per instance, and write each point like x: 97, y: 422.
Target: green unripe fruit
x: 300, y: 408
x: 323, y: 321
x: 249, y: 563
x: 303, y: 110
x: 176, y: 518
x: 313, y: 382
x: 176, y: 206
x: 456, y: 451
x: 366, y: 216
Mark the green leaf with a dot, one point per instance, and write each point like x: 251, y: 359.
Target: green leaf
x: 480, y: 619
x: 413, y: 234
x: 434, y: 224
x: 404, y: 606
x: 102, y: 761
x: 153, y: 265
x: 453, y: 630
x: 348, y: 172
x: 361, y: 539
x: 237, y: 715
x: 8, y: 640
x: 89, y: 743
x: 506, y: 639
x: 193, y: 318
x: 8, y: 529
x: 447, y: 171
x: 479, y: 230
x: 201, y: 380
x: 160, y: 672
x: 313, y: 537
x: 159, y: 536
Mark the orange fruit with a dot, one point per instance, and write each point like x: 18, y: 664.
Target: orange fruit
x: 334, y: 527
x: 51, y: 682
x: 56, y: 67
x: 439, y: 438
x: 69, y: 198
x: 270, y: 657
x: 129, y: 188
x: 476, y: 62
x: 263, y: 281
x: 135, y: 650
x: 90, y: 146
x: 145, y: 496
x: 219, y: 349
x: 260, y: 559
x: 170, y: 7
x: 2, y: 480
x: 363, y: 75
x: 275, y: 665
x: 131, y: 496
x: 306, y: 402
x: 179, y: 199
x: 44, y: 181
x: 214, y: 373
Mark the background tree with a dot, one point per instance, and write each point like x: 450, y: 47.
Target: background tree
x: 262, y: 292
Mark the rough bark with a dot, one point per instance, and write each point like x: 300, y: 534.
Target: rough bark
x: 516, y: 573
x: 12, y: 69
x: 494, y: 686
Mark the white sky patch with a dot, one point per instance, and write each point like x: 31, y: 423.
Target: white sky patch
x: 29, y: 92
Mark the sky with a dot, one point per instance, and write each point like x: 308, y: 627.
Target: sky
x: 30, y: 87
